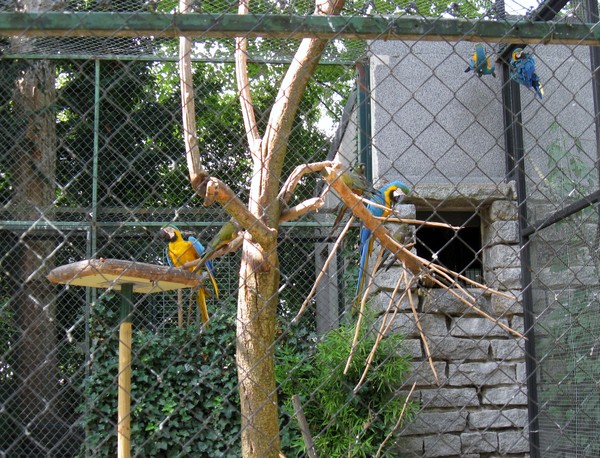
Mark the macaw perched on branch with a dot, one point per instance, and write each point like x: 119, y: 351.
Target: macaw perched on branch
x: 385, y: 196
x: 480, y: 63
x: 180, y: 252
x: 356, y: 180
x: 522, y: 70
x: 226, y: 234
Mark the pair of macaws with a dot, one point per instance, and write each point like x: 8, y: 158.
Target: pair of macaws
x: 522, y: 68
x: 180, y: 251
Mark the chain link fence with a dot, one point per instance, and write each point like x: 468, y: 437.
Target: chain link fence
x: 504, y: 191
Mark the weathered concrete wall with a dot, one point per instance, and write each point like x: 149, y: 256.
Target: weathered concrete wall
x: 431, y: 121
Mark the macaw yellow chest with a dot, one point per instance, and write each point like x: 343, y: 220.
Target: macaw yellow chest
x: 181, y: 252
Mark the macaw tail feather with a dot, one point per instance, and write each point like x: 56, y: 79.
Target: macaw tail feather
x: 539, y: 90
x: 201, y: 300
x: 211, y: 274
x: 365, y: 252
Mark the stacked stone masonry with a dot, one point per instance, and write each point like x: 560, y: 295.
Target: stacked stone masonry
x: 479, y: 408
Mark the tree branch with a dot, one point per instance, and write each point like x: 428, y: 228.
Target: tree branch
x: 354, y: 202
x: 188, y: 111
x: 301, y: 209
x: 287, y: 190
x: 243, y: 84
x: 217, y: 191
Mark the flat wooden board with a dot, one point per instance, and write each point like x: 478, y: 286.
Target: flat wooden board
x: 112, y: 273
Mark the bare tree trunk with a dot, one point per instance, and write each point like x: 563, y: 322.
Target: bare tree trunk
x: 259, y: 274
x: 257, y: 306
x: 33, y: 177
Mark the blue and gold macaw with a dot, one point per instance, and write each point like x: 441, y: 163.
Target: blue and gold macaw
x: 385, y: 196
x: 480, y: 63
x: 180, y: 252
x: 522, y: 70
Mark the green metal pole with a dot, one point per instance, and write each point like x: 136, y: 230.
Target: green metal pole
x: 124, y: 388
x: 364, y: 117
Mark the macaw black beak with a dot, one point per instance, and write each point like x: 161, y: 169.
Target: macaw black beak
x: 162, y: 234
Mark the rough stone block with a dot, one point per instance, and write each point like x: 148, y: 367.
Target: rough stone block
x: 380, y: 302
x: 387, y: 279
x: 504, y: 395
x: 480, y: 374
x: 433, y: 325
x: 503, y: 279
x: 500, y: 418
x: 506, y: 232
x: 513, y: 442
x: 501, y: 306
x: 449, y: 397
x: 422, y: 374
x: 522, y: 373
x: 503, y: 210
x: 442, y: 445
x: 437, y: 423
x: 458, y: 349
x: 477, y: 327
x: 411, y: 446
x: 502, y: 256
x: 412, y: 348
x: 479, y: 442
x: 442, y: 300
x: 508, y: 349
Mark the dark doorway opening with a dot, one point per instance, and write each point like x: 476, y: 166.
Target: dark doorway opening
x: 458, y: 250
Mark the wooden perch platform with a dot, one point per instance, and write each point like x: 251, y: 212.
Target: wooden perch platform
x: 112, y: 273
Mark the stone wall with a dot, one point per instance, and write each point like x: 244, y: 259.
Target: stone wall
x: 479, y: 407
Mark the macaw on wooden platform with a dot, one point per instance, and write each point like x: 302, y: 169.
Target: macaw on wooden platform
x: 385, y: 196
x: 179, y: 252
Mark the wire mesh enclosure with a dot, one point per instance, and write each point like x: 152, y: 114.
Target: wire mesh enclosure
x: 475, y: 336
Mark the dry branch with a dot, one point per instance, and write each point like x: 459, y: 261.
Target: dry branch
x: 304, y: 429
x: 323, y: 270
x: 397, y: 425
x: 192, y: 152
x: 383, y: 329
x: 422, y: 334
x: 233, y: 205
x: 361, y: 312
x: 414, y: 222
x: 287, y: 190
x: 301, y: 209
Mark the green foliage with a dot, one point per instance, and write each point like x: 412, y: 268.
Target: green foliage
x: 343, y: 423
x: 184, y: 389
x: 569, y: 174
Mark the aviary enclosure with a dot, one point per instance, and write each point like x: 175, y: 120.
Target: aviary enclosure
x: 475, y: 333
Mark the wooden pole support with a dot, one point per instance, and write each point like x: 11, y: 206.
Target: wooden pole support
x: 124, y: 381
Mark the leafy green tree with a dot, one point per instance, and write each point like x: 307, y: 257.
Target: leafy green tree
x: 343, y: 422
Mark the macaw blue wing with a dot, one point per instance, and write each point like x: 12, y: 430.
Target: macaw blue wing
x: 166, y: 255
x: 524, y: 73
x: 197, y: 245
x: 209, y: 265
